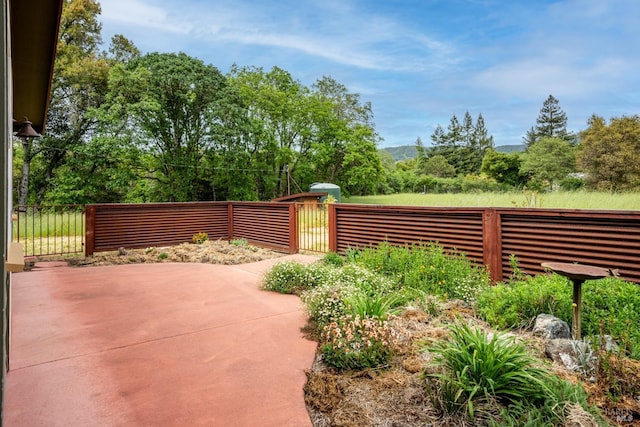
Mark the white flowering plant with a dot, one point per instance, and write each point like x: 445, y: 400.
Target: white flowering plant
x: 353, y: 343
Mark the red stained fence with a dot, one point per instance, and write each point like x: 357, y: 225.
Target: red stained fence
x: 610, y: 239
x: 111, y: 226
x: 488, y: 236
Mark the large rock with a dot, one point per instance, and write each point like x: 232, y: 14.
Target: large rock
x: 573, y: 355
x: 550, y: 327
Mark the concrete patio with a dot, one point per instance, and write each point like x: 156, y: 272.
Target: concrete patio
x: 155, y: 344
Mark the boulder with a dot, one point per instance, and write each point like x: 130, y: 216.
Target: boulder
x: 550, y: 327
x: 573, y: 355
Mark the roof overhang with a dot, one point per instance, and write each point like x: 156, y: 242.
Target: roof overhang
x: 34, y: 38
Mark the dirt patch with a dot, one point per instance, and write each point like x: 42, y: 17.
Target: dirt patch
x: 398, y: 395
x: 209, y: 252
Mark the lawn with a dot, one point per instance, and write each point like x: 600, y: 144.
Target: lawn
x: 556, y: 199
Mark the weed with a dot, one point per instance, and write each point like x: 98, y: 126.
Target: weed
x: 239, y: 242
x: 163, y: 255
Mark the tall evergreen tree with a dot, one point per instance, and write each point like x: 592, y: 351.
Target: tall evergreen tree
x: 551, y: 123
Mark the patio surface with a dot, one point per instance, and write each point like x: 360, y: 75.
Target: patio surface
x: 155, y: 345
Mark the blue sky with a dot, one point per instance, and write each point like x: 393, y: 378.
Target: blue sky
x: 417, y: 62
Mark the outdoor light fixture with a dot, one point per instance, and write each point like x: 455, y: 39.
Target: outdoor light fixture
x: 27, y: 131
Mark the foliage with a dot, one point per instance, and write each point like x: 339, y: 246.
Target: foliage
x: 554, y: 199
x: 463, y: 145
x: 503, y: 167
x: 286, y: 277
x: 328, y: 301
x: 377, y: 306
x: 547, y: 162
x: 439, y: 167
x: 173, y: 106
x: 163, y: 255
x: 515, y: 305
x: 610, y: 153
x: 242, y: 242
x: 426, y: 267
x: 353, y: 342
x: 551, y: 123
x: 333, y: 258
x: 476, y: 370
x: 200, y: 237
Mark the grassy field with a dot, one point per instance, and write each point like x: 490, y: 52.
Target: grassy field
x: 558, y: 199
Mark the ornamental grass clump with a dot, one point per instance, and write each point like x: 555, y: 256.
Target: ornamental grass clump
x: 479, y: 377
x: 354, y: 343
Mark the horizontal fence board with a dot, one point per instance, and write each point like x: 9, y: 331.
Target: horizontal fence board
x: 605, y: 239
x: 264, y: 224
x: 157, y: 224
x: 364, y: 226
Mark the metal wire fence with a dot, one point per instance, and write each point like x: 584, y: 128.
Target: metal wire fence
x: 49, y: 230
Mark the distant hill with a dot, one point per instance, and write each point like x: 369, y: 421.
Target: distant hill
x: 404, y: 152
x: 515, y: 148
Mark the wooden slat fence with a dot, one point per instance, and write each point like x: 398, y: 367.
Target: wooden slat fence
x: 111, y: 226
x: 489, y: 236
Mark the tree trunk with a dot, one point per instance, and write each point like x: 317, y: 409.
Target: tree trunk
x: 23, y: 189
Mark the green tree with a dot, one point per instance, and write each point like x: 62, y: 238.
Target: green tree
x: 547, y: 162
x: 463, y: 145
x: 172, y: 105
x: 503, y: 167
x: 610, y: 153
x: 551, y: 123
x: 438, y: 166
x: 79, y: 83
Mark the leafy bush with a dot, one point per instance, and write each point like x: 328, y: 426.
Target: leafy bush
x: 334, y: 259
x: 328, y: 302
x: 476, y: 370
x: 426, y: 267
x: 163, y: 255
x: 199, y: 238
x: 354, y: 342
x: 286, y: 277
x: 515, y: 305
x: 610, y: 306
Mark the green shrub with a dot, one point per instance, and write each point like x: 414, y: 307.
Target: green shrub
x: 286, y: 277
x: 610, y: 306
x: 474, y: 371
x: 426, y: 267
x: 163, y: 255
x: 334, y: 259
x: 328, y: 302
x: 353, y: 342
x: 515, y: 305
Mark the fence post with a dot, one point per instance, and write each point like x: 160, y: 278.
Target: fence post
x: 492, y: 243
x: 333, y: 228
x: 230, y: 220
x: 90, y: 230
x: 293, y: 229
